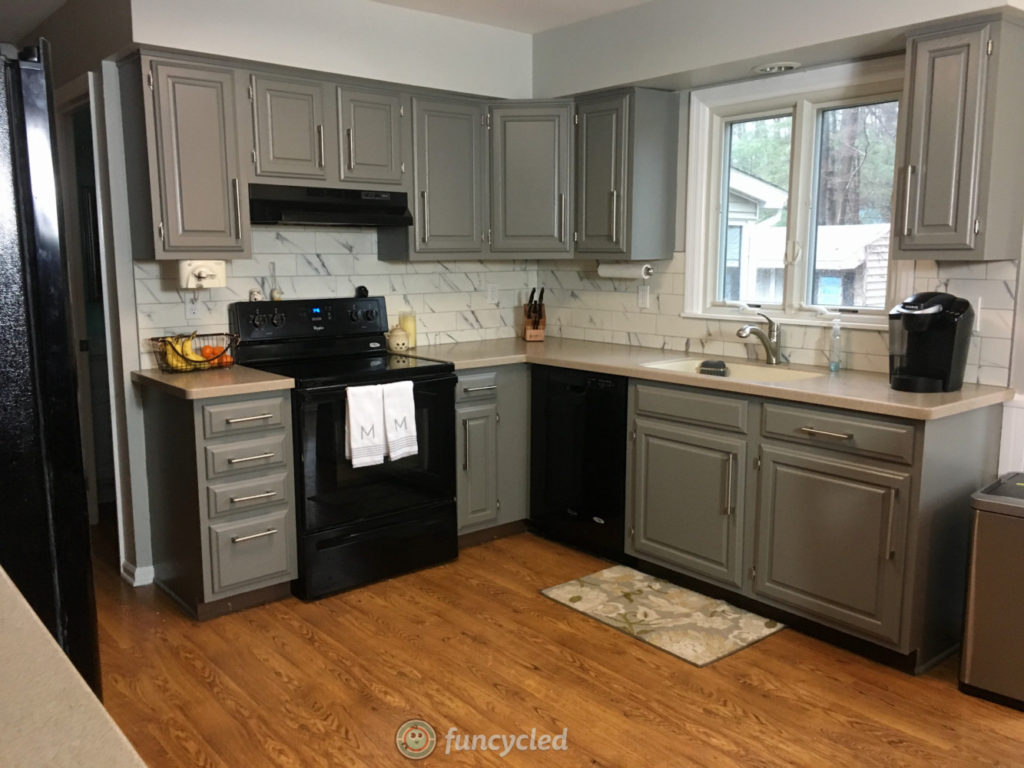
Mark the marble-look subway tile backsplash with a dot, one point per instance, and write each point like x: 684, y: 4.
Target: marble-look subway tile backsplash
x: 451, y: 300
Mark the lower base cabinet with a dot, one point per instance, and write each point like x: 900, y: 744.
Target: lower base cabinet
x: 854, y: 521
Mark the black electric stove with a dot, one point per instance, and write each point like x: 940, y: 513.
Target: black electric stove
x: 355, y: 526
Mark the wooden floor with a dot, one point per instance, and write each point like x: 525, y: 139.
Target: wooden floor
x: 473, y: 646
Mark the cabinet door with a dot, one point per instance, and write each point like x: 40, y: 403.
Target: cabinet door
x: 195, y: 154
x: 371, y: 135
x: 450, y: 176
x: 946, y: 110
x: 289, y: 122
x: 530, y: 162
x: 476, y: 463
x: 688, y: 498
x: 601, y: 158
x: 831, y: 539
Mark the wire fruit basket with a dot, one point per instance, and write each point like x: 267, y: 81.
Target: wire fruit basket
x: 194, y: 352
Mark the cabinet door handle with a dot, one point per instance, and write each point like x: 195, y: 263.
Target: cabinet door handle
x: 615, y: 216
x: 465, y: 443
x: 561, y: 217
x: 825, y: 433
x: 320, y: 146
x: 890, y: 553
x: 426, y: 216
x: 240, y: 419
x: 351, y: 149
x: 236, y: 194
x: 908, y: 175
x: 486, y: 388
x: 728, y: 486
x: 251, y: 536
x: 265, y: 495
x: 257, y: 457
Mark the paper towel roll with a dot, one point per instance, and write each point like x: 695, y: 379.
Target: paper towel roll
x: 626, y: 271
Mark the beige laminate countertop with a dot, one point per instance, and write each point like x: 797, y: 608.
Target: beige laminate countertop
x: 48, y: 715
x: 219, y: 382
x: 855, y: 390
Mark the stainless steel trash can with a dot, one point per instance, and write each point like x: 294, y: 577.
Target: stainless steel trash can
x: 992, y: 664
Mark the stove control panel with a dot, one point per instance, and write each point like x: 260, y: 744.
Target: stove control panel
x: 308, y: 318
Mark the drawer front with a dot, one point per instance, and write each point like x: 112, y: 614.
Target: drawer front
x: 245, y: 551
x: 228, y: 498
x: 840, y: 432
x: 476, y: 386
x: 221, y: 419
x: 694, y: 407
x: 246, y: 455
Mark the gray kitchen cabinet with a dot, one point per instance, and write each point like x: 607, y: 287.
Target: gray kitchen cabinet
x: 689, y: 502
x: 832, y: 537
x: 370, y: 130
x: 199, y: 200
x: 450, y: 177
x: 626, y: 149
x: 289, y: 128
x: 531, y: 177
x: 221, y: 501
x: 959, y: 175
x: 492, y: 436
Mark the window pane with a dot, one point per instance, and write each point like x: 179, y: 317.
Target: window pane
x: 753, y: 239
x: 850, y: 239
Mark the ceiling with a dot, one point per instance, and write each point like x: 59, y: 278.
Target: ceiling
x: 22, y: 16
x: 519, y: 15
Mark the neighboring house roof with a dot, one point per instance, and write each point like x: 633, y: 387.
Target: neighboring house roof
x: 839, y: 246
x: 765, y: 194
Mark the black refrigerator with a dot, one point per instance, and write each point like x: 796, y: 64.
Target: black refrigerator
x: 44, y: 524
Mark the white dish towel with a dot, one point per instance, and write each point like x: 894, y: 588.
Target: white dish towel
x: 365, y: 441
x: 400, y: 419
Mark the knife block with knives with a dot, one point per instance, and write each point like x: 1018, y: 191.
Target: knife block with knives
x: 533, y: 317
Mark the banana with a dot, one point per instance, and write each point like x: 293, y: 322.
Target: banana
x: 188, y: 353
x: 173, y: 355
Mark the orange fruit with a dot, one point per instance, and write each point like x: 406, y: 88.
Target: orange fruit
x: 207, y: 351
x: 225, y: 360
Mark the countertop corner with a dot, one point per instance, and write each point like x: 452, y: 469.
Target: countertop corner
x: 221, y: 382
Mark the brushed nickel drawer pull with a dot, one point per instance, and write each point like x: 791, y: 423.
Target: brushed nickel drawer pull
x: 251, y: 536
x: 251, y: 458
x: 615, y: 216
x: 728, y: 487
x: 486, y: 388
x: 907, y: 182
x: 465, y: 453
x: 825, y: 433
x: 890, y: 553
x: 241, y: 419
x: 320, y: 158
x: 265, y: 495
x: 351, y: 149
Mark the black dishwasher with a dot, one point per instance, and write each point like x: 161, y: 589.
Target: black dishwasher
x: 578, y: 458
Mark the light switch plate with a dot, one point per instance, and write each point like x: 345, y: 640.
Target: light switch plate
x: 202, y: 274
x: 643, y: 296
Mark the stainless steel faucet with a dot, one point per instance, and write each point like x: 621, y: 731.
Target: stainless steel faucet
x: 772, y: 340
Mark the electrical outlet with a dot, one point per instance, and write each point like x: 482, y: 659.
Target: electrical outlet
x: 492, y: 293
x: 193, y: 309
x: 643, y: 296
x: 202, y: 274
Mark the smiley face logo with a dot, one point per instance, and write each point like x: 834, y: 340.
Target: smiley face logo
x: 415, y: 739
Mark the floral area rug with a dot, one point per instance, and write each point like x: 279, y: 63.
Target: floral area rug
x: 695, y: 628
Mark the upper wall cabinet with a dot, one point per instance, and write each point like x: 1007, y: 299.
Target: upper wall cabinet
x: 960, y: 176
x: 531, y: 177
x: 370, y: 129
x: 450, y: 176
x: 626, y: 149
x: 197, y: 194
x: 288, y: 124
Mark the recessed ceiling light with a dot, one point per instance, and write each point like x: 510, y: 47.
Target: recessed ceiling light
x: 776, y: 66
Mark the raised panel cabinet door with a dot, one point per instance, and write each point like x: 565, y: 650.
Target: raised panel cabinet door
x: 688, y: 504
x: 450, y: 176
x: 288, y: 117
x: 371, y: 135
x: 201, y: 194
x: 832, y: 538
x: 530, y: 182
x: 476, y: 458
x: 939, y: 178
x: 601, y: 175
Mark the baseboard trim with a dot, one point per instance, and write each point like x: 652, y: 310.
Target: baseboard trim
x: 137, y: 577
x: 490, y: 534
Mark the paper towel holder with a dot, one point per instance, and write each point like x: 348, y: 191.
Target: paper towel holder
x: 627, y: 270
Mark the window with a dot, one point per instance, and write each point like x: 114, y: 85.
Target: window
x: 792, y: 179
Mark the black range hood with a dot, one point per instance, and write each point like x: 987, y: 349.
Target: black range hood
x: 314, y: 206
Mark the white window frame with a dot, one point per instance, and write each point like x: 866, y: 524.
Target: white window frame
x: 802, y: 94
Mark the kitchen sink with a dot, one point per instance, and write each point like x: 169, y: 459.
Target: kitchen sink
x: 744, y: 371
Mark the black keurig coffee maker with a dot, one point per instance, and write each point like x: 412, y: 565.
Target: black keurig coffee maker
x: 929, y: 334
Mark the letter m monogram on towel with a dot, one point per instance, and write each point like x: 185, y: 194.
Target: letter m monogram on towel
x: 401, y: 425
x: 365, y: 433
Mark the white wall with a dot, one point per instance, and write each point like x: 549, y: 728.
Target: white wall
x: 695, y: 42
x: 352, y: 37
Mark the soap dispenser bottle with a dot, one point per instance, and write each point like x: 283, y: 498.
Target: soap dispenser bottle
x: 835, y: 347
